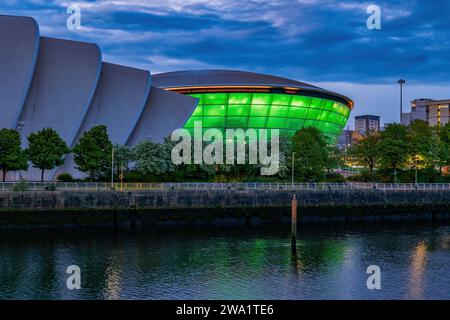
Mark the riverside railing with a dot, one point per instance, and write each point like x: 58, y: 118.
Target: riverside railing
x: 106, y: 186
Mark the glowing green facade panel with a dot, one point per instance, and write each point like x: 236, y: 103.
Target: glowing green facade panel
x: 285, y: 112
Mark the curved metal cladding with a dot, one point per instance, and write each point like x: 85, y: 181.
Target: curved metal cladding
x: 118, y: 103
x: 217, y: 78
x: 19, y: 45
x: 63, y: 85
x: 235, y: 99
x: 165, y: 111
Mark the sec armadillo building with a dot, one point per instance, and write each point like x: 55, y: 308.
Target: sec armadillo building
x: 65, y: 85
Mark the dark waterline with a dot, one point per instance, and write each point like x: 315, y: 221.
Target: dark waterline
x: 228, y: 262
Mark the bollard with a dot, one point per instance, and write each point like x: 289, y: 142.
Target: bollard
x: 294, y: 224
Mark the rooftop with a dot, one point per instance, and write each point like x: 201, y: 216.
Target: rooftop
x: 194, y: 79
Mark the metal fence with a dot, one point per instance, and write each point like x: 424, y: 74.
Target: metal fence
x: 105, y: 186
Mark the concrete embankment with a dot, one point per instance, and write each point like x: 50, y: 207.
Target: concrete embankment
x: 150, y: 207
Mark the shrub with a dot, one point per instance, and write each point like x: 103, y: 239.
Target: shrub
x: 364, y: 177
x: 134, y: 176
x: 220, y: 178
x: 64, y: 177
x: 334, y: 177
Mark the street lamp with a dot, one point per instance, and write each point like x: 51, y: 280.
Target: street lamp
x: 416, y: 156
x: 20, y: 126
x: 112, y: 168
x: 401, y: 82
x: 292, y: 173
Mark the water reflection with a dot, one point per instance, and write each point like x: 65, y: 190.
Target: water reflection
x: 321, y: 253
x: 113, y: 279
x: 227, y: 263
x: 418, y: 264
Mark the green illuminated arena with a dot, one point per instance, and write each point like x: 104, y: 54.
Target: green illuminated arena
x: 269, y: 110
x: 233, y: 99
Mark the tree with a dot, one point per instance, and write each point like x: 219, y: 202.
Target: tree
x: 285, y: 156
x: 12, y: 157
x: 365, y: 151
x: 153, y: 158
x: 422, y: 144
x: 442, y: 134
x: 394, y: 147
x: 123, y: 155
x: 311, y: 153
x: 93, y: 152
x: 335, y: 158
x: 46, y: 150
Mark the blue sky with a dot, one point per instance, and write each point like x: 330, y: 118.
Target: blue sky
x: 322, y: 42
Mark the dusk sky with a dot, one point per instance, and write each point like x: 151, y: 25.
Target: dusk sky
x: 322, y: 42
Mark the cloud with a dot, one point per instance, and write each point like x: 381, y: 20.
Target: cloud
x: 318, y: 41
x: 308, y: 39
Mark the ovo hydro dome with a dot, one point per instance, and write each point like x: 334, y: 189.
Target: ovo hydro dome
x: 237, y: 99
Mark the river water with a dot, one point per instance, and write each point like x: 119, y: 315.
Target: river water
x: 227, y: 262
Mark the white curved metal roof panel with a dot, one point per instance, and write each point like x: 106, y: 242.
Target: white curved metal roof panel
x: 19, y: 45
x: 119, y: 101
x: 165, y: 111
x: 63, y: 85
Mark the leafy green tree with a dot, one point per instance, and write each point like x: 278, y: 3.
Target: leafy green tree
x: 365, y: 151
x: 123, y: 155
x: 442, y: 150
x: 153, y: 158
x: 46, y: 150
x: 247, y: 170
x: 200, y: 172
x: 335, y: 158
x: 285, y: 157
x: 192, y: 171
x: 12, y: 157
x: 422, y: 144
x: 311, y: 153
x: 394, y: 147
x: 93, y: 152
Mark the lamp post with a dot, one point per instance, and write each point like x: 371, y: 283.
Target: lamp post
x: 401, y: 82
x: 112, y: 168
x: 20, y: 126
x: 292, y: 173
x: 121, y: 176
x: 416, y: 156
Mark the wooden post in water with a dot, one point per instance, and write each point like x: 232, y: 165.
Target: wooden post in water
x: 294, y: 224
